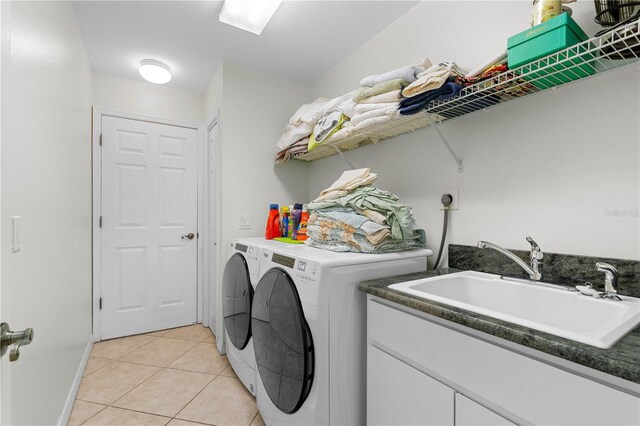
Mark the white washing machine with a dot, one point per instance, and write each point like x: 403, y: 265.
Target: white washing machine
x: 241, y: 274
x: 309, y: 332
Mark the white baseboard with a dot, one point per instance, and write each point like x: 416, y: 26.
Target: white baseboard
x: 68, y: 406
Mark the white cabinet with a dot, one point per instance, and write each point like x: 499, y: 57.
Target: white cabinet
x: 470, y: 413
x: 511, y: 385
x: 399, y: 394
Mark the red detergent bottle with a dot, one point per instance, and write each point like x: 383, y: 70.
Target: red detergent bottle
x: 273, y: 223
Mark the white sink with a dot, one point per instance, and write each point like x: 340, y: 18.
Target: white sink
x: 557, y: 311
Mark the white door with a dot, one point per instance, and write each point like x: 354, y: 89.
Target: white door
x: 149, y: 226
x: 212, y: 257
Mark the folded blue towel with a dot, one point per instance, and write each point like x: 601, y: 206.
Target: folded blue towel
x: 417, y: 103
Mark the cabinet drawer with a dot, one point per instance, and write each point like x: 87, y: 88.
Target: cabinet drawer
x: 398, y: 394
x: 470, y: 413
x: 523, y: 387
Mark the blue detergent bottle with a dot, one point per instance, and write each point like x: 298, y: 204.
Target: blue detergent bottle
x: 285, y: 221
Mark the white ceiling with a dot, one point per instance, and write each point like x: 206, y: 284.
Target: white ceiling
x: 302, y: 40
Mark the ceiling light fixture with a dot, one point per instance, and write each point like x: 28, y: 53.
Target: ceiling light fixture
x: 249, y: 15
x: 154, y: 71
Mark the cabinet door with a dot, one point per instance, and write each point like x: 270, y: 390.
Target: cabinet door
x: 470, y: 413
x: 398, y: 394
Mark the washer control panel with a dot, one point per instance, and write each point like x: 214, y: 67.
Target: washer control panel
x: 306, y: 271
x: 300, y: 269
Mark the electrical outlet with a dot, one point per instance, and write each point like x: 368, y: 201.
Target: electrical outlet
x: 245, y: 222
x: 455, y: 205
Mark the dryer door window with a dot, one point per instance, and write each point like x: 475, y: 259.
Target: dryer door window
x: 237, y: 294
x: 282, y: 341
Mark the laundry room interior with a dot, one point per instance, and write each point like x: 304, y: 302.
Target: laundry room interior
x: 320, y: 212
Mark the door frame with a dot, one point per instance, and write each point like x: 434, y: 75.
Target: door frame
x: 5, y: 57
x: 96, y: 178
x: 215, y: 121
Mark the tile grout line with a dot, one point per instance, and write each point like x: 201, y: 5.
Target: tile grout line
x: 150, y: 365
x: 144, y: 344
x: 100, y: 411
x: 254, y: 417
x: 147, y: 365
x: 135, y: 387
x: 196, y: 345
x: 95, y: 371
x: 147, y: 379
x: 196, y: 395
x: 127, y: 353
x: 212, y: 424
x: 127, y: 409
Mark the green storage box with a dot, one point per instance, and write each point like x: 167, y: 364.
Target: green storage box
x: 549, y: 37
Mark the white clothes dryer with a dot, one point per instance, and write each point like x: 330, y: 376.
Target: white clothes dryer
x: 309, y: 332
x: 241, y: 274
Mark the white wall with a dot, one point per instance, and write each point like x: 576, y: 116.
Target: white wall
x: 254, y: 106
x: 46, y: 179
x: 213, y: 96
x: 146, y: 99
x: 555, y: 166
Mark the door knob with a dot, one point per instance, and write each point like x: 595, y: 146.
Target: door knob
x: 189, y: 236
x: 16, y: 338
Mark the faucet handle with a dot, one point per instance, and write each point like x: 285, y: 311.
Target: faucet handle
x: 536, y: 251
x: 610, y: 277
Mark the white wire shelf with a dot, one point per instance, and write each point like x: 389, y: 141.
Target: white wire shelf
x: 615, y: 49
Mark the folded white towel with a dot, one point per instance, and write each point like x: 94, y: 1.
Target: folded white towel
x: 390, y: 97
x: 407, y: 73
x: 433, y: 78
x: 362, y: 108
x: 348, y: 181
x: 389, y: 110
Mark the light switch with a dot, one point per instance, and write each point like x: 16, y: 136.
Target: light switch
x: 245, y: 222
x: 16, y: 233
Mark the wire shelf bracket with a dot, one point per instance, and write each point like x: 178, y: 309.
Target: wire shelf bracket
x: 446, y: 144
x: 344, y: 158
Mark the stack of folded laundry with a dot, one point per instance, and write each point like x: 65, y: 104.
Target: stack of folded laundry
x: 376, y: 102
x: 351, y: 215
x: 383, y: 98
x: 436, y: 83
x: 312, y: 123
x: 301, y: 146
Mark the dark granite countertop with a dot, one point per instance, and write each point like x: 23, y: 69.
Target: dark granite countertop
x: 622, y: 360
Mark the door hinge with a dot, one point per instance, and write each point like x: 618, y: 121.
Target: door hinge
x: 100, y: 140
x: 100, y: 222
x: 100, y: 304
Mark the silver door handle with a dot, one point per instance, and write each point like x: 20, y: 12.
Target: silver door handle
x: 16, y: 338
x: 189, y: 236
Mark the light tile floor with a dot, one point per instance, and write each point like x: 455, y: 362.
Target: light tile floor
x: 171, y: 377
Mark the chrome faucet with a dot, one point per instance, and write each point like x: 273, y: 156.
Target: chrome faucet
x: 535, y: 257
x: 610, y: 280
